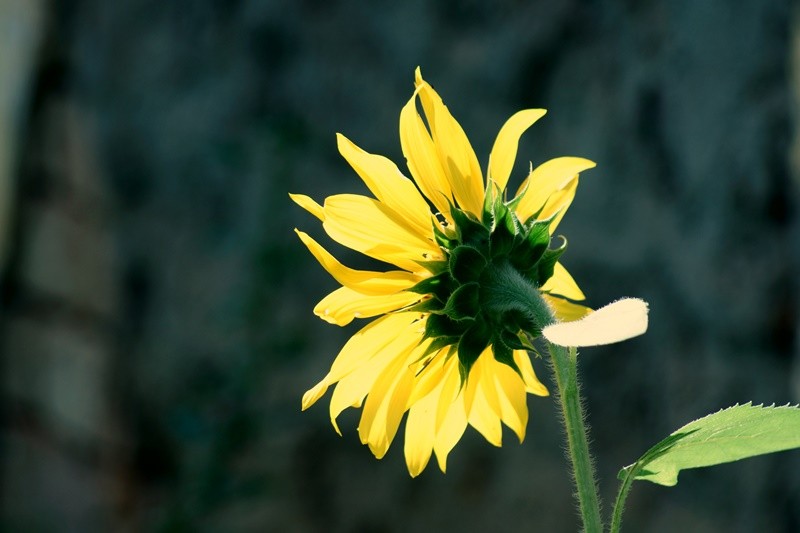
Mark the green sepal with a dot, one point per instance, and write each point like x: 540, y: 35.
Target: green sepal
x: 490, y: 196
x: 513, y: 340
x: 505, y: 354
x: 548, y: 261
x: 437, y: 344
x: 443, y: 326
x: 466, y: 263
x: 439, y: 285
x: 506, y: 230
x: 434, y: 267
x: 442, y: 238
x: 431, y: 305
x: 472, y: 344
x: 464, y: 302
x: 469, y: 230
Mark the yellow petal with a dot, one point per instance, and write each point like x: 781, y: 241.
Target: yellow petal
x: 422, y: 159
x: 428, y: 375
x: 504, y: 151
x: 558, y: 203
x: 455, y: 152
x: 386, y: 404
x: 420, y: 432
x: 309, y: 205
x: 344, y: 304
x: 362, y: 224
x: 483, y: 406
x: 365, y: 282
x: 616, y: 322
x: 566, y: 311
x: 389, y: 186
x: 352, y: 389
x: 512, y: 398
x: 369, y: 341
x: 545, y: 180
x: 452, y: 427
x: 359, y: 349
x: 563, y: 284
x: 532, y: 383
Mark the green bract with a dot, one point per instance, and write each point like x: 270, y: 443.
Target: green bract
x: 483, y: 292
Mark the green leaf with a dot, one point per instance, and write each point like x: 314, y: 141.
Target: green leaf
x: 729, y: 435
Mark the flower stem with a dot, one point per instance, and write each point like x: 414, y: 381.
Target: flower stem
x: 564, y: 362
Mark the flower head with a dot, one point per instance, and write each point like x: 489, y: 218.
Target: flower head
x: 450, y: 344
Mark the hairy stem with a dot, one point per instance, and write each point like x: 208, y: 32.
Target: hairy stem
x: 564, y: 362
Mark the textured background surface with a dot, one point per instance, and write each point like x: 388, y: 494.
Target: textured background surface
x: 156, y: 330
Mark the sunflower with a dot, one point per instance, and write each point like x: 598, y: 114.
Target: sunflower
x: 452, y: 339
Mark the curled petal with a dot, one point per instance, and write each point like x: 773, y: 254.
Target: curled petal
x: 615, y: 322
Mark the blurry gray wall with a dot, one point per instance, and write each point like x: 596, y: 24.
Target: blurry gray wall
x: 156, y: 332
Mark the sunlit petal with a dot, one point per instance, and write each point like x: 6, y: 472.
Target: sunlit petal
x: 365, y: 282
x: 504, y: 151
x: 454, y: 149
x: 362, y: 224
x: 547, y: 179
x: 344, y: 304
x: 390, y: 187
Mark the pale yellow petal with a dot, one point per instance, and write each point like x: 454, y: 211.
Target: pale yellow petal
x: 564, y: 310
x: 512, y: 398
x: 545, y: 180
x: 351, y: 389
x: 389, y: 186
x: 422, y: 159
x: 365, y: 282
x: 616, y: 322
x: 563, y: 284
x: 309, y: 205
x: 532, y: 383
x: 362, y: 224
x: 344, y: 304
x: 420, y: 432
x: 454, y: 149
x: 504, y: 151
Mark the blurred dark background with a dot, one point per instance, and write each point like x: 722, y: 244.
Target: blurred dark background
x: 156, y: 331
